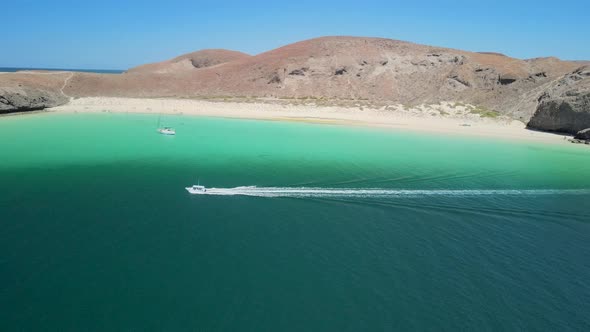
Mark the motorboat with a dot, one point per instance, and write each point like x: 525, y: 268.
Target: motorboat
x: 196, y: 189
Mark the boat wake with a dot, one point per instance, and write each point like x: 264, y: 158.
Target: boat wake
x: 376, y: 192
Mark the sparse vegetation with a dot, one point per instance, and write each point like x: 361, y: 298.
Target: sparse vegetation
x: 483, y: 112
x: 360, y: 103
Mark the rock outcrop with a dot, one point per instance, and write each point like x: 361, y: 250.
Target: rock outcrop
x: 583, y: 134
x: 29, y: 91
x: 28, y: 99
x: 564, y: 106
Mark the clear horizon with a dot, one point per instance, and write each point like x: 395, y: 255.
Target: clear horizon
x: 119, y: 35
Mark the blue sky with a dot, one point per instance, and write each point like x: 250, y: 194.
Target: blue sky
x: 120, y: 34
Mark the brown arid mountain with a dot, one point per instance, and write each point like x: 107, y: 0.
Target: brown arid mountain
x: 336, y: 68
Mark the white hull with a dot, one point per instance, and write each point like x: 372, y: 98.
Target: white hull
x: 196, y: 190
x: 167, y: 131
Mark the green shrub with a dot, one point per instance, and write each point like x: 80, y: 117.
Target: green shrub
x: 484, y: 112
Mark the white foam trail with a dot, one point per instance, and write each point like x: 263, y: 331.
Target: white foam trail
x: 376, y: 192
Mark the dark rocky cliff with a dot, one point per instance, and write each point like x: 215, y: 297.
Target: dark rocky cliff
x: 565, y: 105
x: 21, y: 99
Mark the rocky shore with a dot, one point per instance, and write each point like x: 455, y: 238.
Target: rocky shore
x: 564, y: 106
x: 24, y: 99
x: 582, y: 137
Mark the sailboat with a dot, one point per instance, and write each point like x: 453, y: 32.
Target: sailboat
x: 165, y: 130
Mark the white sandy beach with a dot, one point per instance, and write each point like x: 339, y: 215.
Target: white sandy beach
x: 447, y: 118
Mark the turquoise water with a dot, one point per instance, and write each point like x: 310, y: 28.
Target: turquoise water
x: 347, y: 229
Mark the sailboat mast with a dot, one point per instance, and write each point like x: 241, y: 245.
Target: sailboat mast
x: 160, y: 114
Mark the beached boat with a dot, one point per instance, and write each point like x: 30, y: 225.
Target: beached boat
x: 196, y: 189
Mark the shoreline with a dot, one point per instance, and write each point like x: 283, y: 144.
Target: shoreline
x: 443, y: 118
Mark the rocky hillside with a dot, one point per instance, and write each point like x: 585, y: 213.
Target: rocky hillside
x: 381, y: 70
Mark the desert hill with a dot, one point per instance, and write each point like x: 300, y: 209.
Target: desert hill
x: 194, y: 60
x: 376, y: 69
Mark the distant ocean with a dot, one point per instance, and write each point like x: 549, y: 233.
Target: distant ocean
x: 100, y: 71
